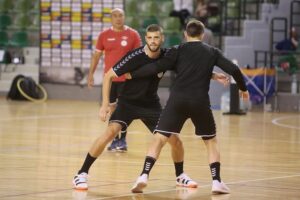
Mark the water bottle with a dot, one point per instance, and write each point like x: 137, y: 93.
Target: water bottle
x: 294, y: 85
x: 225, y: 102
x: 245, y: 105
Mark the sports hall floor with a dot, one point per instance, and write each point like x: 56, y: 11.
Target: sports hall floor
x: 43, y: 145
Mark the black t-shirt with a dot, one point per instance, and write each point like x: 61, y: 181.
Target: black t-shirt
x: 141, y: 91
x: 193, y: 63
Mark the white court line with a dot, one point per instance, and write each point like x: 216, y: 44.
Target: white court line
x: 46, y: 117
x: 276, y: 122
x: 62, y: 129
x: 3, y: 105
x: 202, y: 186
x: 205, y: 166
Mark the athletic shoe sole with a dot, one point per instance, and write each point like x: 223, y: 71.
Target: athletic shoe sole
x: 122, y: 150
x: 220, y: 192
x: 139, y: 188
x: 187, y: 186
x: 79, y: 188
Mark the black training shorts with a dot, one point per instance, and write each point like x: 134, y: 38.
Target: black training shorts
x: 178, y: 111
x: 115, y: 91
x: 125, y: 113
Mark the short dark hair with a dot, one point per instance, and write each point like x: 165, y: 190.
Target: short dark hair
x: 154, y: 28
x: 194, y: 28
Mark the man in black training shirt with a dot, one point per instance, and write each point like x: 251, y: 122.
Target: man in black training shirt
x: 138, y: 100
x: 193, y: 63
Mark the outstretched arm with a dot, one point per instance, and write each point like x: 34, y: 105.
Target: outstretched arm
x: 128, y: 63
x: 232, y: 69
x: 167, y: 62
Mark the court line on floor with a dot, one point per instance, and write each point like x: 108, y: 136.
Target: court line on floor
x: 62, y: 129
x: 3, y: 105
x: 203, y: 186
x: 158, y: 164
x: 101, y: 130
x: 276, y: 122
x: 150, y: 192
x: 47, y: 117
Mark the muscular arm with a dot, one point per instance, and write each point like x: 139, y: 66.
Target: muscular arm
x: 106, y: 85
x: 167, y: 63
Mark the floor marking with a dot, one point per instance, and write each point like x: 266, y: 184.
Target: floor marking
x: 276, y: 122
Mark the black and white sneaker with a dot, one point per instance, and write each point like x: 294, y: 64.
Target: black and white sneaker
x: 80, y: 181
x: 183, y: 180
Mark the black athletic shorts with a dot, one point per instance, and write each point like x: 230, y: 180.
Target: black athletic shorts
x: 178, y: 111
x: 125, y: 113
x: 115, y: 90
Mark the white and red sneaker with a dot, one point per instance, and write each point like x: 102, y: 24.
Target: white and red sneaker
x: 80, y: 181
x: 184, y: 180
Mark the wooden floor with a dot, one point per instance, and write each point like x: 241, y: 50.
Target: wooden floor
x: 43, y: 145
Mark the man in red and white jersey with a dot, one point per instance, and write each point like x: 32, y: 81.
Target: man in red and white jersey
x: 114, y: 43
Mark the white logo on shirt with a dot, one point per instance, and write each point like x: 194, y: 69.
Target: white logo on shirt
x: 123, y: 43
x: 124, y: 37
x: 111, y: 39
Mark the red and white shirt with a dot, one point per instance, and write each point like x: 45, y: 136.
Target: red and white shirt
x: 116, y: 45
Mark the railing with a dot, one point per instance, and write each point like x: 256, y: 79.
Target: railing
x: 270, y: 59
x: 241, y: 10
x: 294, y: 13
x: 251, y: 14
x: 276, y: 29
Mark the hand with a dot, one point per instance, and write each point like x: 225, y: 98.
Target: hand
x: 91, y: 80
x: 128, y: 76
x: 244, y: 95
x: 221, y: 78
x: 104, y: 112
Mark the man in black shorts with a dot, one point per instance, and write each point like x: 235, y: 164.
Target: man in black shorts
x: 138, y: 100
x: 193, y: 62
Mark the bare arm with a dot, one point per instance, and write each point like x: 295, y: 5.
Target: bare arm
x: 106, y: 85
x: 94, y: 63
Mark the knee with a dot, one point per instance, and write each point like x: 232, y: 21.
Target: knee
x: 160, y: 139
x: 210, y: 140
x: 211, y: 143
x: 111, y: 132
x: 175, y: 141
x: 178, y: 142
